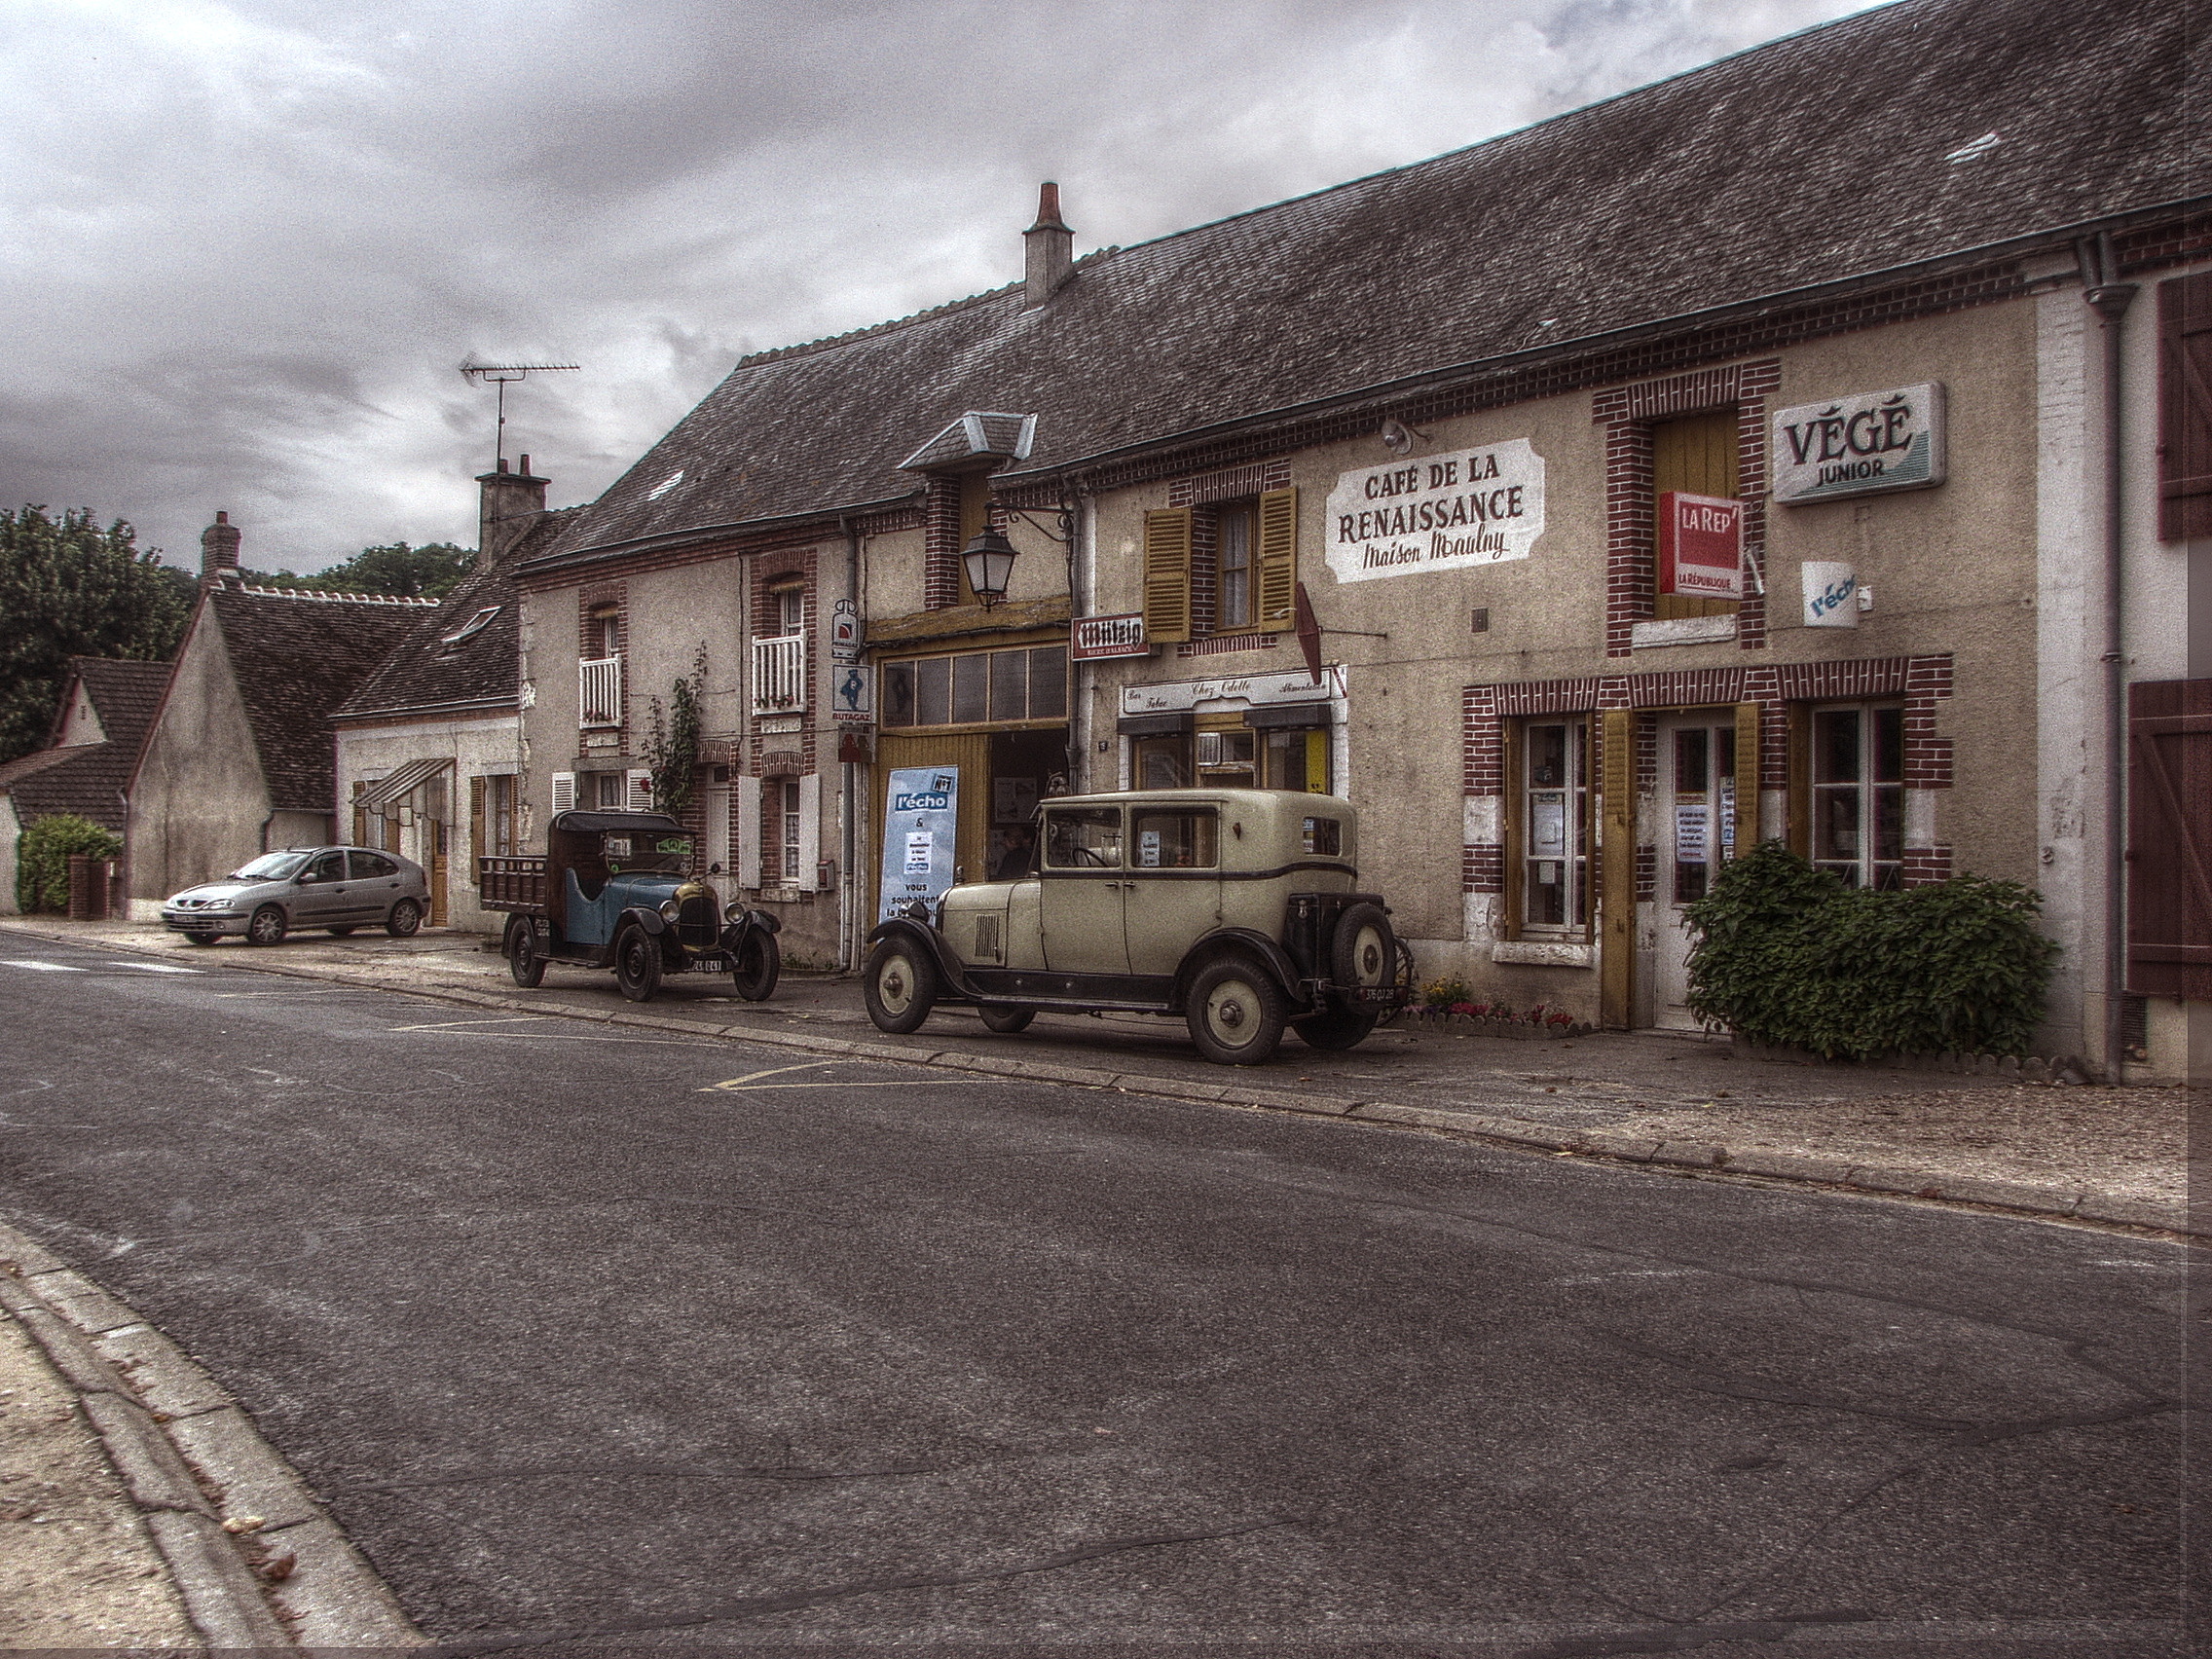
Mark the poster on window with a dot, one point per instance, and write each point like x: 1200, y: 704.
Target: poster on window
x: 1547, y: 824
x: 1691, y: 840
x: 920, y: 818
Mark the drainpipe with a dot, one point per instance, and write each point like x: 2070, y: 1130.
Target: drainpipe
x: 850, y: 930
x: 2110, y: 300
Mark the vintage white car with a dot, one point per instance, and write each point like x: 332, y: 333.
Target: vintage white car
x: 1237, y: 910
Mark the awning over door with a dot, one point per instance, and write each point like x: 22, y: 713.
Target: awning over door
x: 402, y: 781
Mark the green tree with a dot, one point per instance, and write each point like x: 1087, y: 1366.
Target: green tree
x: 431, y: 571
x: 43, y: 848
x: 70, y: 588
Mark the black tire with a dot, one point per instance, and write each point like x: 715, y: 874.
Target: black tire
x: 339, y: 933
x: 268, y: 926
x: 203, y: 937
x: 759, y: 964
x: 1363, y: 953
x: 637, y: 963
x: 1336, y: 1027
x: 1235, y: 1012
x: 900, y: 986
x: 406, y: 917
x: 524, y: 961
x: 1005, y: 1019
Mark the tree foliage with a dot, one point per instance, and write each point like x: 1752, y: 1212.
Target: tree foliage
x: 70, y: 588
x: 431, y: 571
x: 1787, y: 953
x: 673, y: 748
x: 41, y: 858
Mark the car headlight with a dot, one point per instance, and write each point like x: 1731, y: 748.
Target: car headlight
x: 733, y: 912
x: 668, y: 909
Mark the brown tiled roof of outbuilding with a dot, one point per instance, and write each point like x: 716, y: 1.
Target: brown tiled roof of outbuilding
x: 297, y: 657
x: 89, y: 779
x: 1817, y: 158
x: 425, y: 675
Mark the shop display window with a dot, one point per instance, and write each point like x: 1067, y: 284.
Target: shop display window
x: 1858, y: 795
x: 976, y: 688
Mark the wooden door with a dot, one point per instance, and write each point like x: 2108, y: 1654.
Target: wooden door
x: 971, y: 753
x: 1697, y: 455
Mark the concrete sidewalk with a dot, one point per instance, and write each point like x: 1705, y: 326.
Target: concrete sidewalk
x: 1682, y: 1102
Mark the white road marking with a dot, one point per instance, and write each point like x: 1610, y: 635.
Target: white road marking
x: 772, y: 1071
x: 760, y: 1088
x: 38, y: 966
x: 455, y: 1025
x: 153, y: 967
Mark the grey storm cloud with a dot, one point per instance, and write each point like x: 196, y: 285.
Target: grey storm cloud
x: 247, y: 244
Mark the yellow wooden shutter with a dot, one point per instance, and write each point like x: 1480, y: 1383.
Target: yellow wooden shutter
x: 1616, y: 863
x: 1801, y: 780
x: 477, y: 847
x: 360, y: 818
x: 1516, y: 807
x: 1746, y: 777
x: 1274, y: 583
x: 1168, y: 575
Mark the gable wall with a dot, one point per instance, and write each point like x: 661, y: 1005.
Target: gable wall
x: 199, y: 806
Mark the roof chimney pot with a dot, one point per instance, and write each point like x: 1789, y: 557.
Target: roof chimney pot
x: 218, y: 548
x: 508, y: 502
x: 1047, y: 250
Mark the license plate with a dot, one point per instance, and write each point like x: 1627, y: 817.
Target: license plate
x: 711, y: 964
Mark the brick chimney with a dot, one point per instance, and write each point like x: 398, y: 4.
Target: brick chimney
x: 218, y: 548
x: 1048, y: 250
x: 508, y: 502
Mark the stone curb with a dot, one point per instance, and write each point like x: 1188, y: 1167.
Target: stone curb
x: 2074, y: 1203
x: 182, y: 1448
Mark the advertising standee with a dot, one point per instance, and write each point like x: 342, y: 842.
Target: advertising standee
x: 920, y: 820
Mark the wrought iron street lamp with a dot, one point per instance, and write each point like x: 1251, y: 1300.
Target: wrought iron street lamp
x: 990, y: 564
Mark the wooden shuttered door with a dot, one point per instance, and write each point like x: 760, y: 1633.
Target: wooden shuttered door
x: 1746, y: 777
x: 2185, y: 407
x: 1168, y: 575
x: 2169, y: 838
x: 1696, y: 455
x: 1616, y: 855
x: 1275, y: 582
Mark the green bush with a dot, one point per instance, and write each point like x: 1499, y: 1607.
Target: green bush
x: 41, y: 858
x: 1788, y: 954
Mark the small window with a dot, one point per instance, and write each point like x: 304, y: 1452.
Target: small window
x: 1858, y: 795
x: 1184, y: 839
x: 1324, y: 837
x: 788, y: 606
x: 1554, y: 828
x: 1233, y: 560
x: 474, y: 626
x: 605, y: 632
x: 1084, y: 837
x: 1162, y: 762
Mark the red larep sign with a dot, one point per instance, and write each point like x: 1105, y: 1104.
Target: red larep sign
x: 1701, y: 546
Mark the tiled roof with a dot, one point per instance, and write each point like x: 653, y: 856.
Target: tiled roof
x: 296, y: 658
x: 426, y: 674
x: 89, y: 779
x: 1817, y: 158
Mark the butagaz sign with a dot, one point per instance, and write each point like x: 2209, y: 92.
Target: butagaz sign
x: 1098, y: 636
x: 1701, y: 545
x: 1475, y: 507
x: 1851, y: 446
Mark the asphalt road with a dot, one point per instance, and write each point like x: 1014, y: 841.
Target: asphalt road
x: 591, y: 1337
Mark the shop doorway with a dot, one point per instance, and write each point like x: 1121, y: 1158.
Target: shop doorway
x: 1696, y: 802
x: 1002, y: 776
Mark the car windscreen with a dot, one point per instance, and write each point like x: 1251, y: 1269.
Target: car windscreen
x: 269, y: 867
x: 635, y: 852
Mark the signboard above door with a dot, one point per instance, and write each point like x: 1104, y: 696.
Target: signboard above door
x: 1440, y: 512
x: 1856, y: 445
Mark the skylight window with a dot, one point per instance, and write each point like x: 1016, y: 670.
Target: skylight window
x: 665, y: 485
x: 1975, y: 151
x: 474, y: 626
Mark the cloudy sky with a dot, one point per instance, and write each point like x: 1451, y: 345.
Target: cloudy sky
x: 246, y: 245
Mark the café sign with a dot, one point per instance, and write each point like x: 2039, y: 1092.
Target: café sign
x: 1853, y: 446
x: 1443, y: 513
x: 1177, y: 695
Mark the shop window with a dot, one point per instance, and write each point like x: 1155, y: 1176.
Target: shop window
x: 1703, y: 759
x: 1225, y: 758
x: 1188, y: 838
x: 1696, y: 455
x: 1552, y: 827
x: 977, y: 688
x: 1857, y: 794
x: 1162, y: 763
x: 1295, y: 761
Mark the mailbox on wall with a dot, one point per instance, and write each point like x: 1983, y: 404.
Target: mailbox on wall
x: 1701, y: 545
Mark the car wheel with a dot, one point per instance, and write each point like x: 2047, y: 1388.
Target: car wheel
x: 524, y: 959
x: 899, y: 987
x: 339, y: 933
x: 266, y: 926
x: 203, y: 937
x: 637, y: 963
x: 406, y: 917
x: 760, y: 962
x: 1235, y: 1012
x: 1364, y: 953
x: 1004, y: 1020
x: 1336, y: 1027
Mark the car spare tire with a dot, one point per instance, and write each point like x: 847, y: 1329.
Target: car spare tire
x: 1363, y: 953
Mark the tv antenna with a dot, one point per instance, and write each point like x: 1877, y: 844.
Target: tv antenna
x: 503, y: 375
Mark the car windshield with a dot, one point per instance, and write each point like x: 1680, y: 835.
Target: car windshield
x: 630, y: 851
x: 269, y: 867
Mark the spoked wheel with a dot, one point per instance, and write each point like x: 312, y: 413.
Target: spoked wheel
x: 1336, y: 1027
x: 1005, y: 1020
x: 637, y: 963
x: 266, y: 926
x: 1235, y: 1012
x: 406, y: 917
x: 901, y: 986
x: 759, y: 961
x: 524, y: 961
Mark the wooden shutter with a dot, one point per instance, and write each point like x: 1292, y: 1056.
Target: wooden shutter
x: 1168, y: 575
x: 564, y: 791
x: 2169, y: 838
x: 809, y: 872
x: 1516, y: 805
x: 638, y: 795
x: 1616, y: 867
x: 1274, y: 564
x: 1696, y: 455
x: 2185, y: 407
x: 1746, y: 777
x: 477, y: 847
x: 1800, y: 827
x: 360, y: 817
x: 748, y: 830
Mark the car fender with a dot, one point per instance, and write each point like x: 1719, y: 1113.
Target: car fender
x: 747, y: 921
x: 651, y: 921
x: 951, y: 968
x: 1241, y: 941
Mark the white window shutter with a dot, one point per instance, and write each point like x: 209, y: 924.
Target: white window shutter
x: 747, y: 832
x: 809, y: 870
x: 564, y: 791
x: 641, y: 791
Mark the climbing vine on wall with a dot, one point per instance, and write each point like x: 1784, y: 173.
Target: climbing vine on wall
x: 673, y: 749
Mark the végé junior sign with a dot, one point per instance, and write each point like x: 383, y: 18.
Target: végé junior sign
x: 1474, y: 506
x: 1851, y: 446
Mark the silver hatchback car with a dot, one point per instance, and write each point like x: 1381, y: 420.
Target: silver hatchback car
x: 334, y: 887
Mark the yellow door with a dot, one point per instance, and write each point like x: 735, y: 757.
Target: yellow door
x: 971, y: 753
